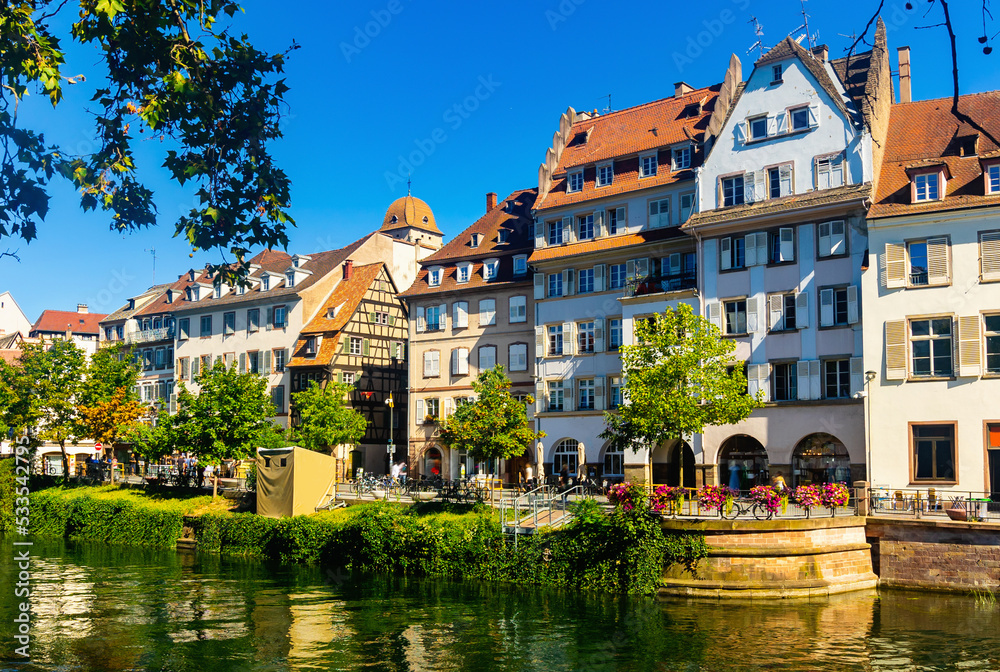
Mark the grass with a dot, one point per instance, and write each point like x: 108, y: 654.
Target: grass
x: 985, y: 597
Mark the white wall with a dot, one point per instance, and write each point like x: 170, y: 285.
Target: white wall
x: 11, y: 317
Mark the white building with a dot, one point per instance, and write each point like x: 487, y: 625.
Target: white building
x: 12, y: 318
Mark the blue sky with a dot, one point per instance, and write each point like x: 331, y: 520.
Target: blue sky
x: 374, y: 90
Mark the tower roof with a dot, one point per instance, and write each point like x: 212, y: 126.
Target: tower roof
x: 409, y: 211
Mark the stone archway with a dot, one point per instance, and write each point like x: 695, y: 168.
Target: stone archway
x: 820, y: 458
x: 743, y: 463
x: 673, y: 464
x: 432, y: 463
x: 566, y: 454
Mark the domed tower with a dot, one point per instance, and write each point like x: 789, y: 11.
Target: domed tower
x: 411, y: 219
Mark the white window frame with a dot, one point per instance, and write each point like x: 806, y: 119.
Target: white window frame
x: 585, y: 386
x: 830, y: 171
x: 554, y: 232
x: 555, y: 285
x: 585, y: 226
x: 517, y: 356
x: 357, y: 345
x: 491, y: 269
x: 681, y: 157
x: 922, y: 182
x: 464, y: 273
x: 586, y: 337
x: 605, y: 174
x: 520, y: 265
x: 583, y: 287
x: 487, y: 312
x: 739, y: 194
x: 486, y: 357
x: 614, y: 333
x: 991, y: 174
x: 517, y: 309
x: 648, y: 165
x: 661, y: 218
x: 434, y: 274
x: 554, y: 338
x: 617, y: 276
x: 574, y: 181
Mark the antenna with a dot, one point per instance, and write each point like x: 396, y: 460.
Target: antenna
x: 758, y: 31
x: 152, y: 251
x: 407, y: 184
x: 608, y: 108
x: 805, y: 24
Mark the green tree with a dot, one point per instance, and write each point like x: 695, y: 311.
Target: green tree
x: 327, y: 419
x: 169, y: 69
x: 227, y: 419
x: 42, y: 390
x: 150, y: 439
x: 495, y: 425
x: 106, y: 420
x: 110, y: 370
x: 677, y: 382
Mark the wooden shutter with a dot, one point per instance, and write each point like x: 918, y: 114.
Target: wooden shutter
x: 539, y: 396
x: 895, y: 350
x: 568, y: 344
x: 753, y: 379
x: 270, y: 318
x: 267, y: 362
x: 802, y: 380
x: 463, y: 361
x: 785, y: 180
x: 539, y: 286
x: 786, y: 244
x: 764, y: 380
x: 569, y: 280
x: 620, y: 221
x: 599, y: 278
x: 675, y: 264
x: 748, y: 187
x: 461, y: 314
x: 776, y: 312
x: 761, y: 247
x: 599, y: 393
x: 989, y: 255
x: 857, y: 375
x: 449, y: 406
x: 419, y: 411
x: 443, y: 316
x: 539, y: 341
x: 938, y: 266
x: 428, y: 364
x: 364, y: 347
x: 567, y: 226
x: 895, y: 265
x: 852, y: 304
x: 725, y: 253
x: 568, y: 394
x: 815, y: 379
x: 750, y: 249
x: 753, y: 324
x: 838, y: 237
x: 630, y: 270
x: 759, y: 185
x: 740, y: 131
x: 813, y: 116
x: 598, y: 223
x: 782, y: 123
x: 825, y: 242
x: 715, y: 314
x: 421, y: 320
x: 826, y: 316
x: 598, y: 334
x: 243, y: 362
x: 539, y: 234
x: 802, y: 310
x: 969, y: 347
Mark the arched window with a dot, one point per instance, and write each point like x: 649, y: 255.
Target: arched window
x: 743, y: 463
x: 567, y: 454
x: 820, y: 458
x: 432, y: 463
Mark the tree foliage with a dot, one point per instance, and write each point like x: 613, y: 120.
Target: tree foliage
x: 327, y: 418
x: 150, y: 440
x: 677, y: 382
x: 107, y: 420
x: 495, y: 425
x: 171, y: 70
x: 226, y: 419
x: 109, y: 371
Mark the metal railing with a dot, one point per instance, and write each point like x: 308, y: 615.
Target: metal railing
x: 149, y: 335
x: 934, y: 503
x: 654, y: 284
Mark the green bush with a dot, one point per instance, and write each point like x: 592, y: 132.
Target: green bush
x: 8, y: 490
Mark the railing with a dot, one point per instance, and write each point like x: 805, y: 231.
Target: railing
x: 918, y: 278
x: 934, y: 503
x: 149, y: 335
x: 740, y: 506
x: 654, y: 284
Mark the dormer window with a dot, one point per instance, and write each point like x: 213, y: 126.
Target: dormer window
x: 502, y: 236
x: 395, y: 219
x: 520, y: 265
x: 189, y: 294
x: 475, y: 240
x: 131, y: 304
x: 926, y: 187
x: 191, y: 276
x: 464, y: 271
x: 241, y: 290
x: 605, y: 175
x: 490, y: 268
x: 647, y: 166
x: 682, y: 157
x: 776, y: 74
x: 170, y: 296
x: 434, y: 277
x: 575, y: 182
x: 290, y: 279
x: 992, y: 177
x: 265, y: 282
x: 218, y: 291
x: 310, y: 346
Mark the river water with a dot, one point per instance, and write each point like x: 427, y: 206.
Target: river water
x: 109, y: 608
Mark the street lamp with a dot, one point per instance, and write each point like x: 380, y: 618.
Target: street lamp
x: 869, y: 377
x: 390, y: 448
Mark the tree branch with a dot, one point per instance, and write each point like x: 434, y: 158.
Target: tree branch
x: 12, y: 255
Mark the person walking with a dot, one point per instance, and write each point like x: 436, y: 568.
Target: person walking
x: 529, y: 476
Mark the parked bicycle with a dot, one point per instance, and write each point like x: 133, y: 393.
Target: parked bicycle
x: 745, y: 507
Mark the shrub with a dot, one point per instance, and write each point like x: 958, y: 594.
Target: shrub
x: 628, y: 496
x: 667, y: 498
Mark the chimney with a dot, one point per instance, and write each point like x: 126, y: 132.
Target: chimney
x: 348, y: 269
x: 491, y: 201
x: 904, y: 74
x: 681, y: 88
x: 822, y: 52
x: 82, y: 308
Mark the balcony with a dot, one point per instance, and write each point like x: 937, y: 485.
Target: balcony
x: 150, y: 335
x: 657, y: 284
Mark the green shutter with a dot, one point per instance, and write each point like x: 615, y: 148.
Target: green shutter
x: 364, y: 347
x: 270, y: 318
x: 267, y: 362
x: 345, y: 344
x: 371, y: 316
x: 392, y: 319
x: 243, y: 362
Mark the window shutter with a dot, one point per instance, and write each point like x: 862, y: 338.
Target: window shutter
x: 461, y: 310
x: 539, y: 396
x: 815, y: 381
x: 895, y: 350
x: 449, y: 406
x: 243, y: 362
x: 420, y: 411
x: 364, y: 347
x: 760, y: 184
x: 753, y: 379
x: 894, y: 265
x: 761, y: 247
x: 267, y: 362
x: 776, y: 310
x: 764, y: 380
x: 539, y: 235
x: 463, y: 361
x: 802, y: 379
x: 838, y: 232
x: 539, y: 341
x: 785, y: 178
x: 568, y: 281
x: 740, y: 131
x: 750, y: 249
x: 598, y: 223
x: 620, y: 220
x: 857, y: 375
x: 938, y: 271
x: 539, y: 286
x: 568, y: 344
x: 598, y: 334
x: 825, y: 242
x: 725, y: 253
x: 599, y: 278
x: 421, y: 320
x: 599, y: 394
x: 787, y: 244
x: 630, y: 269
x: 782, y: 123
x: 454, y: 362
x: 802, y: 310
x: 345, y: 344
x: 989, y: 254
x: 715, y: 314
x: 568, y: 395
x: 392, y: 319
x: 969, y: 348
x: 567, y: 225
x: 675, y: 264
x: 752, y: 323
x: 642, y: 267
x: 270, y: 318
x: 772, y: 125
x: 443, y: 316
x: 371, y: 316
x: 852, y: 304
x: 826, y: 307
x: 749, y: 183
x: 813, y: 116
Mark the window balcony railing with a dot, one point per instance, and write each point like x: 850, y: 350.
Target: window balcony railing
x: 918, y: 278
x: 150, y: 335
x: 655, y: 284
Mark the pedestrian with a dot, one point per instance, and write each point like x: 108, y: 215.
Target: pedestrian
x: 394, y: 472
x: 529, y: 475
x: 778, y: 482
x: 402, y: 472
x: 564, y: 474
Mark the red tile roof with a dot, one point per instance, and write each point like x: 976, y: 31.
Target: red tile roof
x: 926, y: 132
x: 624, y: 134
x: 346, y: 298
x: 59, y: 321
x: 608, y: 243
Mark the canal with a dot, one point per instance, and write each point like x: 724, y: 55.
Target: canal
x: 101, y: 608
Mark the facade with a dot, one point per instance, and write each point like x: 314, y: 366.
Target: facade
x: 932, y: 293
x: 359, y: 338
x: 613, y: 193
x: 781, y: 245
x: 12, y: 318
x: 82, y: 327
x: 470, y: 309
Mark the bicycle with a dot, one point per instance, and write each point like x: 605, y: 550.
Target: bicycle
x: 739, y: 507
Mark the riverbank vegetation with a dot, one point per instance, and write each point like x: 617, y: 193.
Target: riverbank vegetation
x: 621, y: 551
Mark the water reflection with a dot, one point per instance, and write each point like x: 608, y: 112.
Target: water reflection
x: 98, y: 608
